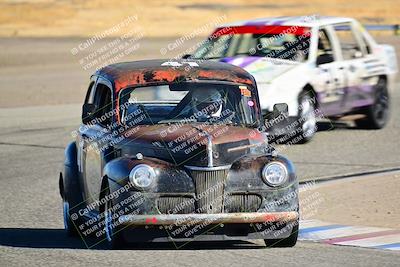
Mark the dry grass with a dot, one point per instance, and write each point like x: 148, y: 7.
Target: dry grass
x: 168, y: 18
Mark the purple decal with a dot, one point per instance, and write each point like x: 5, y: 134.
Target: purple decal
x: 279, y: 20
x: 258, y: 22
x: 244, y: 63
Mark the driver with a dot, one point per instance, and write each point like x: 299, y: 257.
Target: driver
x: 206, y: 103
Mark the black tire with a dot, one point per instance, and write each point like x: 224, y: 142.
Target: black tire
x: 307, y: 124
x: 290, y: 241
x: 68, y: 224
x: 376, y: 115
x: 112, y: 235
x: 71, y: 193
x: 70, y: 227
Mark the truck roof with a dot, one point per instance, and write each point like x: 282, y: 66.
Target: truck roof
x: 305, y: 21
x: 146, y: 72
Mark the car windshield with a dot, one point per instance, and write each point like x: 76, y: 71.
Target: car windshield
x: 187, y: 102
x: 271, y: 42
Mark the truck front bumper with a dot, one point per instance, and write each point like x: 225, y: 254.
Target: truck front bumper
x: 207, y: 227
x: 201, y: 218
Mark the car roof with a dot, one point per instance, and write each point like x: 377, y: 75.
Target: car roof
x: 146, y: 72
x: 305, y: 21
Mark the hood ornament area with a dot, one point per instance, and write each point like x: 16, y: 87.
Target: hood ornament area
x: 210, y: 160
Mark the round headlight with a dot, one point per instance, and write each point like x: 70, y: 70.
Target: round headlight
x: 275, y: 173
x: 142, y: 176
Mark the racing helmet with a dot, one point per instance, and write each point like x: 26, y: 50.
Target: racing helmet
x: 206, y: 103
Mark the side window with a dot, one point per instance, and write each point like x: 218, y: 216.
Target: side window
x: 324, y: 43
x: 324, y: 52
x: 102, y: 100
x: 349, y: 41
x: 89, y: 93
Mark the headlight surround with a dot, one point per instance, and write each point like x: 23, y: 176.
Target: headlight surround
x: 275, y: 173
x: 142, y: 176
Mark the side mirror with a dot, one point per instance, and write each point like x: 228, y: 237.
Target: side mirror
x: 279, y: 113
x: 280, y: 109
x: 186, y: 56
x: 88, y: 111
x: 324, y: 58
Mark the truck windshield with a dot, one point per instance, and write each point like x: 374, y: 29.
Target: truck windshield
x: 279, y: 42
x: 213, y: 103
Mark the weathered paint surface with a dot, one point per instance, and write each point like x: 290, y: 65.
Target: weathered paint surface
x: 241, y: 151
x: 177, y: 219
x: 132, y: 74
x: 152, y: 72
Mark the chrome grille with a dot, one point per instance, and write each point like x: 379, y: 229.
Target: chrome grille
x: 242, y: 203
x: 176, y: 205
x: 209, y: 189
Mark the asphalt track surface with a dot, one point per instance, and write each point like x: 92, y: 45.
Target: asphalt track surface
x: 32, y: 139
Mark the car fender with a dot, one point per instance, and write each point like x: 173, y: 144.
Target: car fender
x: 387, y: 54
x: 70, y: 176
x: 69, y: 183
x: 121, y: 190
x: 117, y: 174
x: 287, y: 87
x: 246, y: 174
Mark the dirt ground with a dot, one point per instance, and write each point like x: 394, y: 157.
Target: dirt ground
x: 47, y: 18
x: 366, y: 201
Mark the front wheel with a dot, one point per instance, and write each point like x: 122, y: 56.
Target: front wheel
x: 71, y: 220
x: 69, y: 226
x: 307, y: 120
x: 289, y: 241
x: 376, y: 115
x: 112, y: 234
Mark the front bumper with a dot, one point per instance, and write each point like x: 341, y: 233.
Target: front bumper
x: 225, y: 218
x: 208, y: 227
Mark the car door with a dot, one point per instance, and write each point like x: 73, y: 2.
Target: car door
x: 331, y: 77
x: 94, y: 137
x: 355, y: 57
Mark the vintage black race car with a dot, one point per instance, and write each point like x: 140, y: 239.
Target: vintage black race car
x: 175, y: 151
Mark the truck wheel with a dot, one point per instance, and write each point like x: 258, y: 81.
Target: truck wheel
x: 111, y: 232
x: 307, y: 118
x: 376, y: 115
x: 70, y: 191
x: 290, y: 241
x: 69, y: 225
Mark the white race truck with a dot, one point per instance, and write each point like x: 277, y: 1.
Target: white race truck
x: 319, y: 66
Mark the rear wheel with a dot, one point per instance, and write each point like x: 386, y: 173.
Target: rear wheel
x: 289, y: 241
x: 376, y: 115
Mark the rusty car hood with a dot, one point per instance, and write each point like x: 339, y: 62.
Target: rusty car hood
x: 186, y: 144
